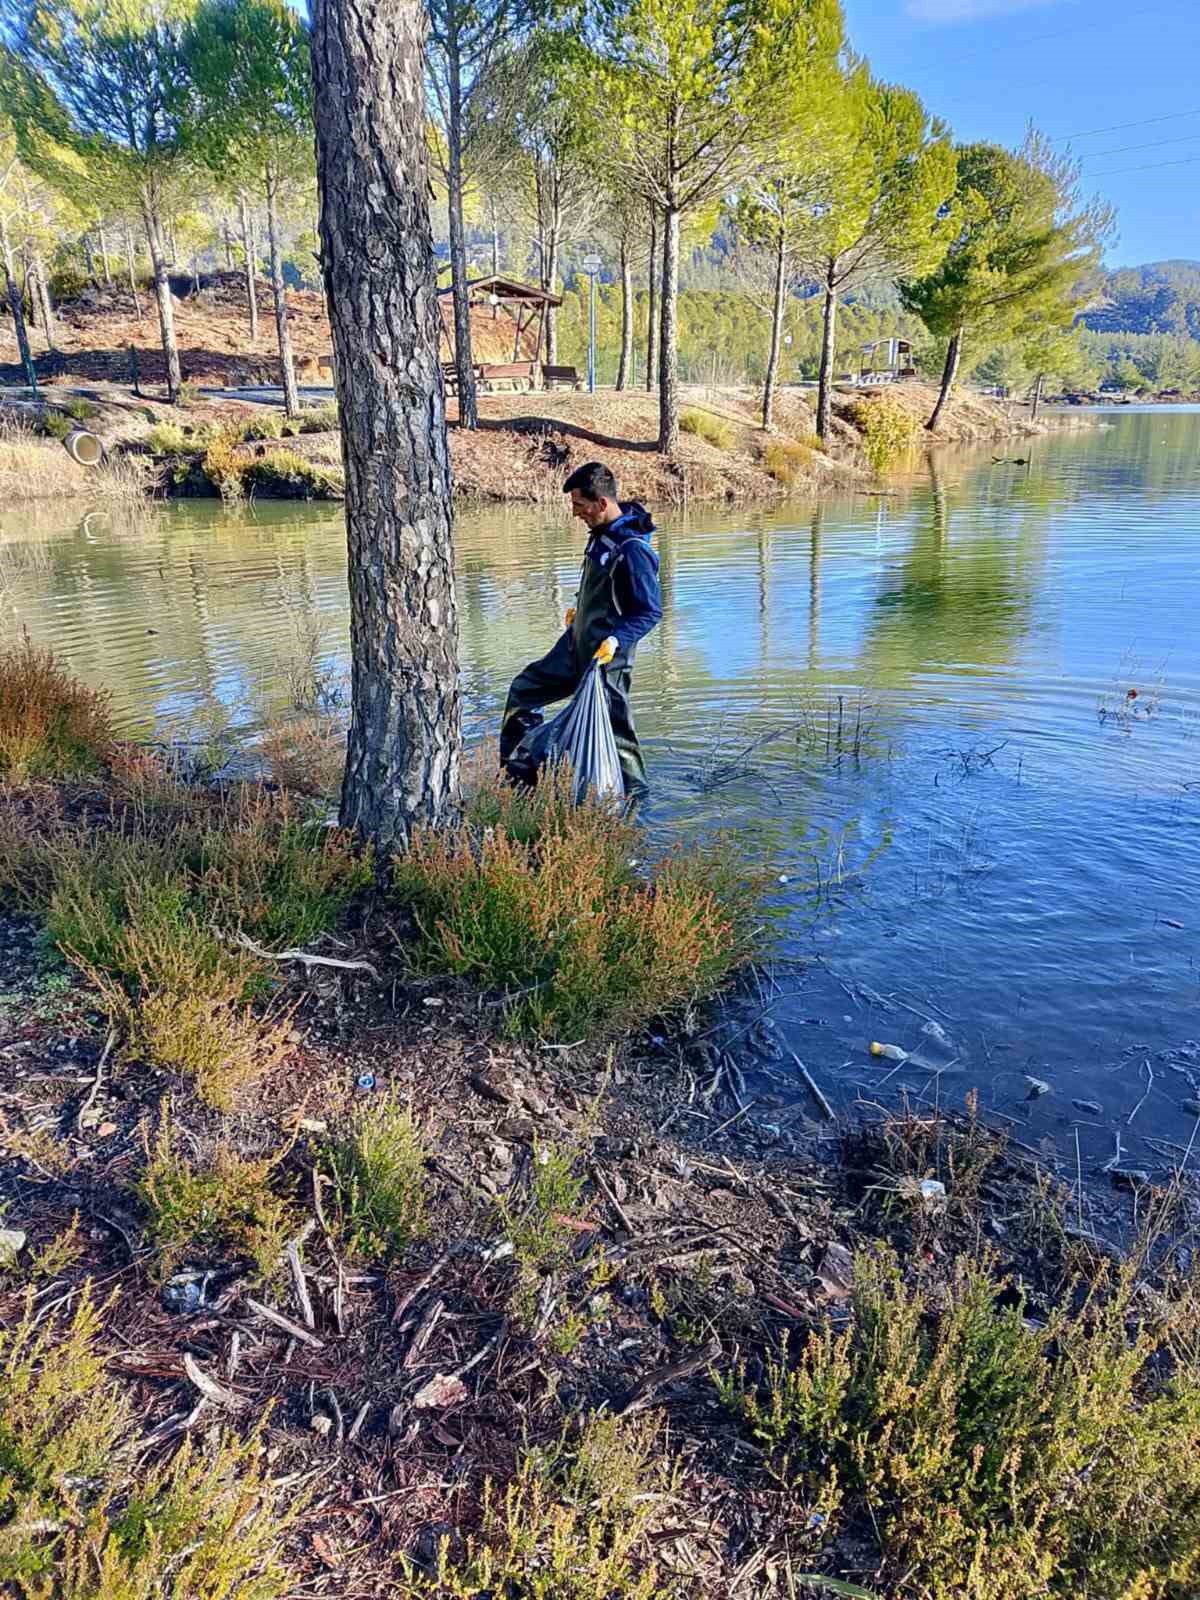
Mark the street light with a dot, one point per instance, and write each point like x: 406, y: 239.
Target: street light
x: 591, y: 265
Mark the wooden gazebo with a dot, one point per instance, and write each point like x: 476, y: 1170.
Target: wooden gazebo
x: 886, y: 359
x: 526, y: 304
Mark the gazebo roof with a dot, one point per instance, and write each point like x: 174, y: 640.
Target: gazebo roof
x: 507, y: 291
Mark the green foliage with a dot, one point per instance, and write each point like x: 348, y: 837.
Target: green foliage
x: 76, y: 1523
x: 80, y: 409
x: 216, y: 1213
x: 51, y: 725
x: 319, y: 419
x: 1162, y: 297
x: 562, y: 917
x: 167, y: 439
x: 888, y: 428
x: 574, y: 1523
x: 267, y: 426
x: 997, y: 1460
x: 55, y: 425
x: 786, y: 459
x: 284, y: 472
x: 378, y: 1181
x: 533, y: 1221
x: 1145, y: 361
x: 188, y: 395
x: 714, y: 430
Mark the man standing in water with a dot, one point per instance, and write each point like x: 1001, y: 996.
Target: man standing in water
x: 618, y: 602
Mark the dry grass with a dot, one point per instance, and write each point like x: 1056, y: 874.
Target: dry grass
x: 34, y: 468
x: 51, y: 725
x: 722, y: 435
x: 786, y: 459
x: 306, y: 755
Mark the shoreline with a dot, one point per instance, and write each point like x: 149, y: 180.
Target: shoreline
x: 525, y: 446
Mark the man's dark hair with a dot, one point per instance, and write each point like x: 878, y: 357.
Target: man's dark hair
x: 594, y: 481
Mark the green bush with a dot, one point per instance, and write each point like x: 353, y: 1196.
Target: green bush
x: 996, y: 1460
x: 82, y: 1517
x: 187, y: 394
x: 557, y: 912
x: 575, y: 1523
x: 715, y: 430
x: 56, y: 425
x: 378, y: 1180
x: 320, y: 419
x: 888, y: 428
x: 82, y: 410
x: 268, y: 425
x: 167, y: 439
x: 214, y: 1213
x: 283, y: 472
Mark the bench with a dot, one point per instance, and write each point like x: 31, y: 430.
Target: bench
x: 567, y: 375
x: 514, y: 372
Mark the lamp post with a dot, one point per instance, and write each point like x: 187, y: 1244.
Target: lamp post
x: 591, y: 265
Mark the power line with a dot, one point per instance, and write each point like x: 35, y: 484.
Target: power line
x: 1117, y: 127
x: 1155, y: 166
x: 1155, y: 144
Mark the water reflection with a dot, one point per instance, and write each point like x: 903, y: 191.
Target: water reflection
x: 1031, y: 905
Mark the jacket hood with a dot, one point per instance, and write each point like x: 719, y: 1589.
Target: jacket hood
x: 634, y: 522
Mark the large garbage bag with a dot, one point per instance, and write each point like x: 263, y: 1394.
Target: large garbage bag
x: 582, y: 734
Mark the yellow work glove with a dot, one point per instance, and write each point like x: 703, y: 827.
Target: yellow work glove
x: 606, y: 652
x: 570, y: 617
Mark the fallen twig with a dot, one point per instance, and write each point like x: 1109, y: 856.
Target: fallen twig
x: 90, y: 1098
x: 269, y: 1314
x: 813, y: 1088
x: 1146, y: 1096
x: 420, y: 1286
x: 646, y: 1388
x: 601, y: 1184
x: 304, y: 1300
x: 210, y: 1388
x: 423, y: 1331
x: 306, y: 957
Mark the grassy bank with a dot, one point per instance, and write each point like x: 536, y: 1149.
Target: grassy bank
x: 525, y: 445
x: 394, y: 1228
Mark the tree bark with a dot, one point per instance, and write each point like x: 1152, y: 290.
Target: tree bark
x: 104, y: 261
x: 551, y: 280
x: 381, y: 279
x: 129, y: 261
x: 828, y: 349
x: 768, y: 403
x: 17, y: 307
x: 468, y: 404
x: 626, y: 362
x: 227, y: 240
x: 668, y: 338
x: 90, y: 259
x: 162, y: 293
x: 41, y: 289
x: 949, y: 373
x: 1036, y: 404
x: 291, y: 396
x: 248, y: 252
x: 652, y: 310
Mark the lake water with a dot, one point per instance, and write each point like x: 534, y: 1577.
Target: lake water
x: 976, y: 821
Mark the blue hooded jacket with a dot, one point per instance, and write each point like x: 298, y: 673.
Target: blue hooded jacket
x: 636, y: 588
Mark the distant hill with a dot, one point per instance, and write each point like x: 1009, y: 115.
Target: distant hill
x: 1159, y: 297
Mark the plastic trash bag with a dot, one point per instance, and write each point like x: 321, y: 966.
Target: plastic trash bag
x: 582, y: 734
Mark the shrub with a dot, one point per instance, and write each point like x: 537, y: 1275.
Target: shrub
x: 51, y: 725
x: 785, y: 459
x: 55, y: 425
x: 888, y: 429
x: 561, y: 917
x: 269, y: 425
x: 715, y: 430
x: 320, y: 419
x: 80, y: 409
x: 378, y: 1178
x: 166, y: 439
x: 80, y: 1520
x: 224, y: 468
x: 996, y: 1460
x: 306, y: 755
x: 187, y: 394
x: 575, y: 1523
x: 283, y: 472
x: 212, y: 1214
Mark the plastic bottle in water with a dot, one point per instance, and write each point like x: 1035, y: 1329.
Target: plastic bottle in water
x: 889, y: 1052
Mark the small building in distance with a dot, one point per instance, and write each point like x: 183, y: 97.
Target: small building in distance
x: 886, y: 360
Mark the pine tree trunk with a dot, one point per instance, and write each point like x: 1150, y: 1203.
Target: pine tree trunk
x: 668, y: 338
x: 131, y: 264
x: 495, y: 255
x: 768, y: 403
x: 949, y: 373
x: 227, y: 239
x: 551, y: 280
x: 41, y: 289
x: 162, y: 293
x: 1036, y: 403
x: 291, y: 396
x: 828, y: 347
x: 17, y: 307
x: 248, y: 252
x: 377, y: 250
x: 468, y: 404
x: 626, y: 362
x: 652, y: 310
x: 104, y: 261
x: 90, y: 261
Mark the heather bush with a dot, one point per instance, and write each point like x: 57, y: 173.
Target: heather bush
x: 51, y: 725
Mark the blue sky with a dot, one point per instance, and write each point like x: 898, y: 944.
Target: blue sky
x: 1073, y: 66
